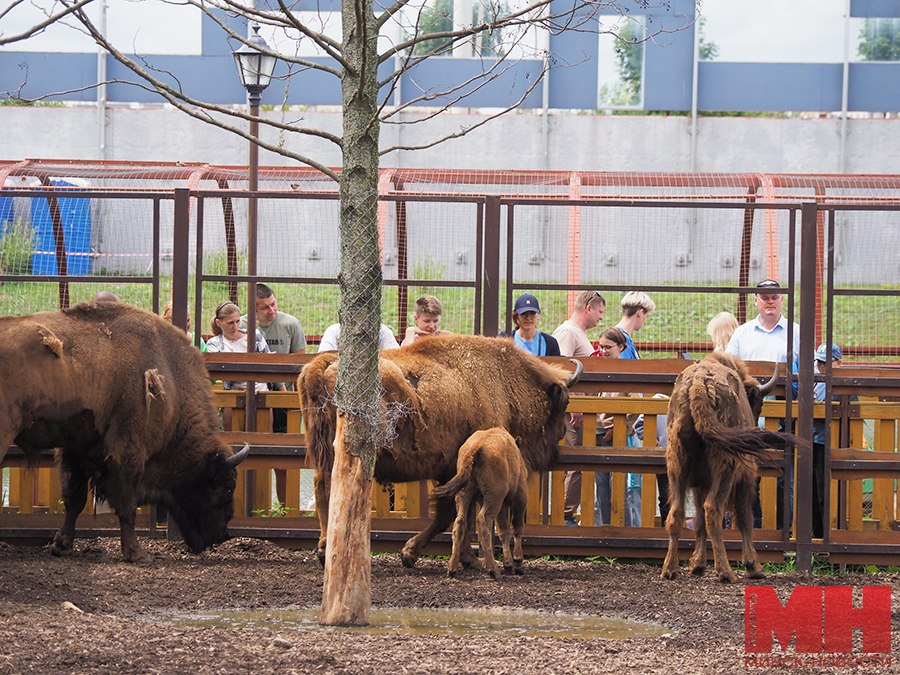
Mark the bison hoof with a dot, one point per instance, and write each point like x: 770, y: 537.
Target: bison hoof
x: 408, y: 558
x: 755, y: 574
x: 698, y: 570
x: 320, y: 554
x: 495, y: 574
x: 139, y: 556
x: 451, y: 573
x: 519, y: 570
x: 59, y: 549
x: 726, y: 577
x: 668, y: 575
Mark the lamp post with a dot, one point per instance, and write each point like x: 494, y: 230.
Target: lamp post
x: 255, y: 68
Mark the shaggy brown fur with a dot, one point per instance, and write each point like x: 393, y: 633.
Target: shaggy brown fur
x: 454, y: 385
x: 490, y: 470
x: 713, y: 443
x: 127, y: 401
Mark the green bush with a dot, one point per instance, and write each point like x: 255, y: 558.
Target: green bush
x: 17, y: 244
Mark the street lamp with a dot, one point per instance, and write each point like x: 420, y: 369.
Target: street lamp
x: 255, y: 68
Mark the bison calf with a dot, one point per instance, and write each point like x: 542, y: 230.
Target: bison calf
x: 489, y: 469
x: 713, y: 444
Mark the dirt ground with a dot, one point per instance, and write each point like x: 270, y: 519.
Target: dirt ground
x: 108, y: 630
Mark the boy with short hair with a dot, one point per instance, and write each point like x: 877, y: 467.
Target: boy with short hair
x: 427, y: 319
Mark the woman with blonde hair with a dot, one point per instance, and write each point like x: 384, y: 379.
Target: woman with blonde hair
x: 720, y: 329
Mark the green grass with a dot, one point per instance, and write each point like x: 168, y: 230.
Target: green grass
x: 679, y: 317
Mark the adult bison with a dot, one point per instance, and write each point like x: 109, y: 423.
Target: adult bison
x: 713, y: 444
x: 127, y: 402
x: 448, y: 387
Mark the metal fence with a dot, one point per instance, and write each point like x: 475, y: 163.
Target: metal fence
x: 696, y: 243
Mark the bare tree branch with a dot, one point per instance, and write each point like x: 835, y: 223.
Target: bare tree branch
x: 466, y: 130
x: 34, y: 30
x: 269, y: 18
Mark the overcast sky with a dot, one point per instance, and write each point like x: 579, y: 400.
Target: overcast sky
x: 744, y: 30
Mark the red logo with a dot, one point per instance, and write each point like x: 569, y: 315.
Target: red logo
x: 821, y: 619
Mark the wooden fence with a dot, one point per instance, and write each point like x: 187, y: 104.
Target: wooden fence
x: 864, y: 513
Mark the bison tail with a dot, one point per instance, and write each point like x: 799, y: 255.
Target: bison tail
x: 458, y: 483
x: 451, y: 489
x: 752, y: 441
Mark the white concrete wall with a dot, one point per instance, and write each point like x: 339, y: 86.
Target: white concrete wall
x: 576, y: 142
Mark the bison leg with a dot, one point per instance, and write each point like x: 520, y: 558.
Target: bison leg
x: 504, y: 527
x: 698, y: 557
x: 131, y: 549
x: 743, y: 520
x: 673, y: 526
x: 445, y: 513
x: 460, y: 530
x: 485, y: 523
x: 517, y: 514
x: 466, y: 552
x: 714, y: 507
x: 74, y: 485
x: 322, y: 488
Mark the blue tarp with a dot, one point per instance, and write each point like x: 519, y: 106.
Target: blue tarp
x: 76, y: 221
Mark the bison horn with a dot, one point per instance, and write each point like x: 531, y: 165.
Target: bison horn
x: 238, y: 457
x: 766, y: 389
x: 579, y: 368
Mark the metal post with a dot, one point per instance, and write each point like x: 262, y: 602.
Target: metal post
x: 805, y: 393
x: 181, y: 257
x: 491, y: 267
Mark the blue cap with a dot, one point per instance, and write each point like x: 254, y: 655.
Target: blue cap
x: 822, y: 353
x: 526, y: 303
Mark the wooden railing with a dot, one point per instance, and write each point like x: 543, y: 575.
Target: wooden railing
x: 861, y: 530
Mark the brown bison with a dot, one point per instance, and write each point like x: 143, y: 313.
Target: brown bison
x: 451, y: 386
x: 126, y: 401
x: 490, y: 470
x: 713, y: 444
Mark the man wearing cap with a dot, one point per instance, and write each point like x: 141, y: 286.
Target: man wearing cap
x: 765, y: 338
x: 571, y: 334
x: 526, y: 313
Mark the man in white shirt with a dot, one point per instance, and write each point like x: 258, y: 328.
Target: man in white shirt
x: 573, y: 342
x: 765, y: 338
x: 332, y: 334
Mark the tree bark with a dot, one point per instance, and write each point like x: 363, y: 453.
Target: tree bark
x: 346, y: 596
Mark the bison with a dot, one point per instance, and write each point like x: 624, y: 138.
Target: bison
x: 713, y: 444
x: 450, y: 387
x: 490, y: 469
x: 127, y: 403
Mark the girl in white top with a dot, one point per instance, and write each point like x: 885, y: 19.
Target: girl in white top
x: 229, y: 337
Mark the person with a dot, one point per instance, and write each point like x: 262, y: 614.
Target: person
x: 720, y: 328
x: 765, y: 338
x: 612, y: 344
x: 228, y: 336
x: 819, y: 390
x: 167, y: 316
x: 427, y: 320
x: 573, y: 341
x: 636, y: 307
x: 329, y: 341
x: 526, y: 312
x: 282, y: 332
x: 105, y: 296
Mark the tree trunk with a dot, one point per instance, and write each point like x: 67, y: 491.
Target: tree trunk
x: 346, y: 595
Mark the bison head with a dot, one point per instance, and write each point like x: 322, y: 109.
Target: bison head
x: 203, y: 504
x: 756, y: 392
